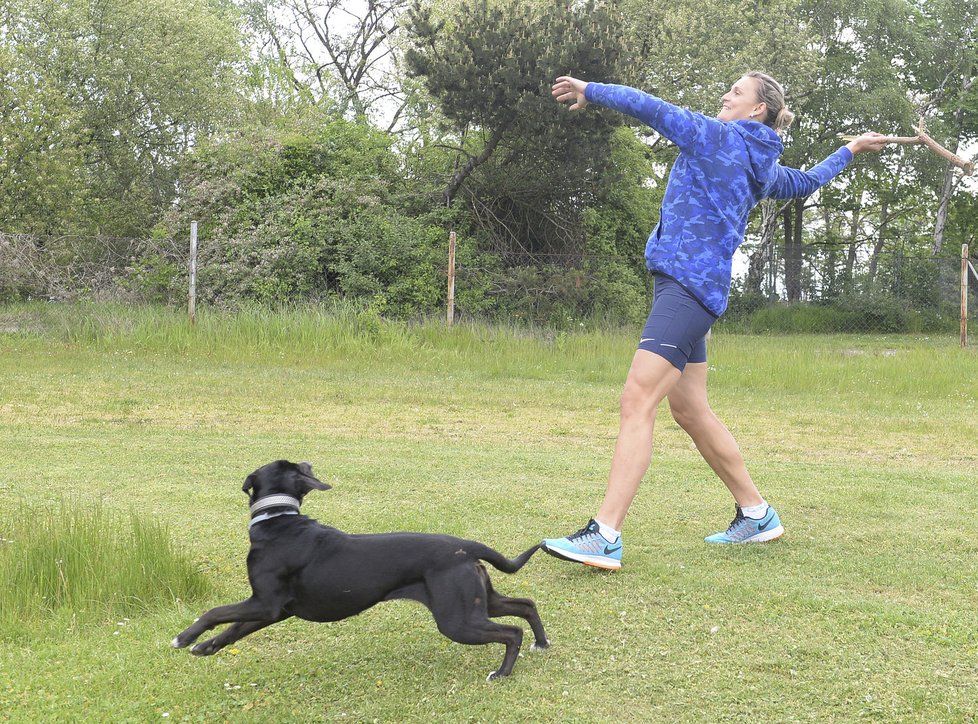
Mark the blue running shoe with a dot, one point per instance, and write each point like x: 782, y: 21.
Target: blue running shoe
x: 586, y: 546
x: 750, y: 530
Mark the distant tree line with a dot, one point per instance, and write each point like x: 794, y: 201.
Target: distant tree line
x: 327, y: 147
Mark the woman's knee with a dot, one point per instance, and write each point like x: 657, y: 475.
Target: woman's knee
x: 636, y: 401
x: 690, y: 415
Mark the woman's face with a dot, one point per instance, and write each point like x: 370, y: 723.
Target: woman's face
x: 741, y: 103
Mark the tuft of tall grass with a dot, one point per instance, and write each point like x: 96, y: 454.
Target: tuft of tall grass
x: 84, y: 564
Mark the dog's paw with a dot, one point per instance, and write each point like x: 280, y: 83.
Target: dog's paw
x: 493, y: 676
x: 205, y: 648
x: 178, y: 644
x: 540, y: 646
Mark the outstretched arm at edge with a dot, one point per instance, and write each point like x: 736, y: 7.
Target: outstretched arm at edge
x: 688, y: 130
x: 792, y: 183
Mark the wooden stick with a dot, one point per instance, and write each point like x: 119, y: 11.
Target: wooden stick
x: 906, y: 140
x: 450, y: 312
x: 955, y: 160
x: 192, y: 297
x: 922, y: 138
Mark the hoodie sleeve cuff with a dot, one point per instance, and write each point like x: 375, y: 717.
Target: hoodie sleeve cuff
x: 846, y: 154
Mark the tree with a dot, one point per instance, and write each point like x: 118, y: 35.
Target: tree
x: 943, y: 75
x: 336, y: 50
x: 690, y: 53
x: 101, y: 99
x: 490, y: 65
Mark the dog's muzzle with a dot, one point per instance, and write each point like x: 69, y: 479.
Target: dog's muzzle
x: 272, y: 501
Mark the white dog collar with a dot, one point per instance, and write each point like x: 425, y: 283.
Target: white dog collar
x: 274, y: 501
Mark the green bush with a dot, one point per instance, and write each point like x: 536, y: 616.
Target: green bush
x: 855, y: 314
x: 154, y: 277
x: 309, y: 212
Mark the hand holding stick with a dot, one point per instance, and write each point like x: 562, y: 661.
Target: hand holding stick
x: 922, y: 138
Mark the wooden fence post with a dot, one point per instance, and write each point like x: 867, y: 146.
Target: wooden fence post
x: 192, y: 304
x: 451, y: 278
x: 964, y: 295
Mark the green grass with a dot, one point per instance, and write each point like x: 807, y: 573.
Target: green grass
x: 868, y: 446
x: 74, y: 563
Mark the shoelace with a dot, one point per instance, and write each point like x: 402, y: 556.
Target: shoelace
x: 737, y: 521
x: 589, y: 529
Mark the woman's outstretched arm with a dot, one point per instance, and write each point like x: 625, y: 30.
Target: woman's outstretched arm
x: 689, y: 130
x: 791, y: 183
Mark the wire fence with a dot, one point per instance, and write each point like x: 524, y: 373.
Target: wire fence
x: 827, y: 290
x: 70, y: 267
x: 823, y: 289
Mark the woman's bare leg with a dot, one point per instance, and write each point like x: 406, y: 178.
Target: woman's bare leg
x: 650, y: 379
x: 691, y: 409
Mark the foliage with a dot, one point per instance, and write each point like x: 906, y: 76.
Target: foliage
x: 857, y: 314
x: 98, y: 100
x: 489, y: 67
x: 115, y: 117
x: 334, y: 51
x: 305, y: 210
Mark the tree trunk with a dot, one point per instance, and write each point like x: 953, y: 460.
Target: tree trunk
x: 792, y: 216
x: 947, y: 188
x: 473, y: 163
x: 769, y: 225
x: 940, y: 223
x: 848, y: 271
x: 878, y: 246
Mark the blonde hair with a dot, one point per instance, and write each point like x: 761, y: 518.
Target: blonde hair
x: 770, y: 92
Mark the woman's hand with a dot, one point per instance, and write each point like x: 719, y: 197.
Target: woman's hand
x: 870, y: 141
x: 566, y: 89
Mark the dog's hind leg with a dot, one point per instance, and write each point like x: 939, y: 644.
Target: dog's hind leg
x: 475, y: 630
x: 234, y: 632
x: 458, y: 601
x: 500, y: 605
x: 250, y: 610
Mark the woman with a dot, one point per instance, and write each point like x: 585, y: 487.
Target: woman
x: 726, y: 166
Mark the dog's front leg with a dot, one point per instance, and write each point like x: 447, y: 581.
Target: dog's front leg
x: 250, y: 610
x: 232, y: 633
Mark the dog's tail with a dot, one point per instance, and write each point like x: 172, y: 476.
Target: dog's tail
x: 500, y: 562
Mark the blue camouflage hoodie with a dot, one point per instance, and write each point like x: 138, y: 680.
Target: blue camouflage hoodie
x: 724, y: 169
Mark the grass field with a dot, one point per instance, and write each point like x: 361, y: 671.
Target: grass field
x: 868, y: 447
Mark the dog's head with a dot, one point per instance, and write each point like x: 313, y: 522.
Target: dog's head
x: 282, y: 478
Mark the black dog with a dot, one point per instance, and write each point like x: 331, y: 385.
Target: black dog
x: 298, y: 567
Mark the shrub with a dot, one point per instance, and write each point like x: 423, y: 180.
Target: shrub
x: 854, y: 314
x: 309, y: 212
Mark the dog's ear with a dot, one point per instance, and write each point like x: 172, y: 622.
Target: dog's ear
x: 310, y: 481
x: 316, y: 484
x: 249, y: 483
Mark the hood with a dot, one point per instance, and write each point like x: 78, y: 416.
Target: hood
x: 764, y: 148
